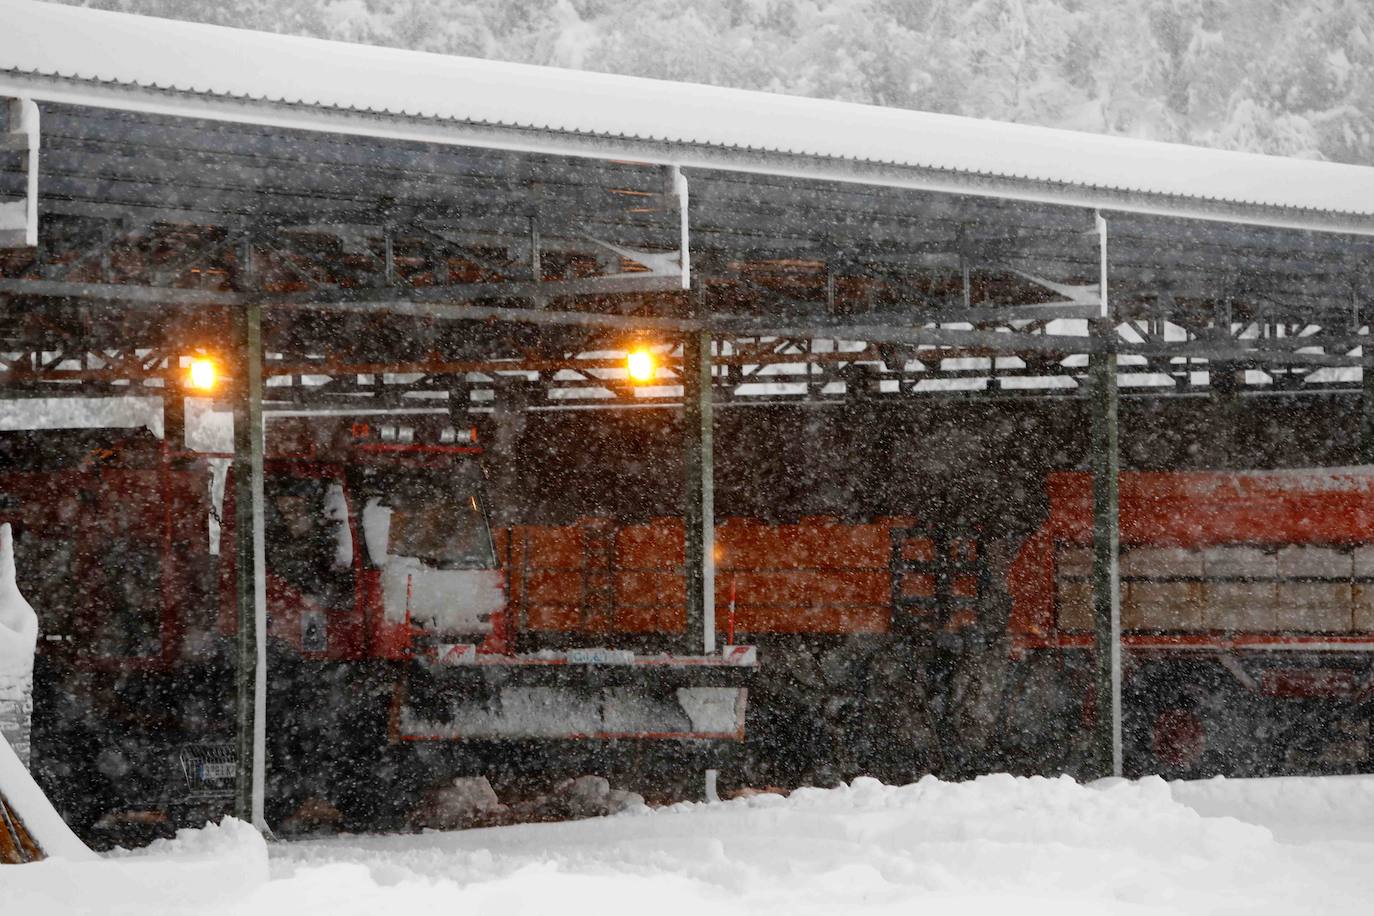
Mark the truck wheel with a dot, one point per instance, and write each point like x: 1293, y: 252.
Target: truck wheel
x: 1186, y: 724
x: 1178, y: 739
x: 892, y: 733
x: 1043, y: 712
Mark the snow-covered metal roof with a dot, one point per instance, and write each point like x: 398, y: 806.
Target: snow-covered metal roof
x: 76, y: 55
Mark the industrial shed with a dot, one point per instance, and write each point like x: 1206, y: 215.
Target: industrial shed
x: 355, y: 228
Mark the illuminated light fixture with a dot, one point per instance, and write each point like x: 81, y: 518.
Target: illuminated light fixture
x: 202, y: 375
x: 450, y: 435
x: 641, y: 365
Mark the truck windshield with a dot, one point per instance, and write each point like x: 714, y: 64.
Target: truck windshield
x: 436, y: 516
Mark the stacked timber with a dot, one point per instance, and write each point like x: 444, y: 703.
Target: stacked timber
x: 17, y: 845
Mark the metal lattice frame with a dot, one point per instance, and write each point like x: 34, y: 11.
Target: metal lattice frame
x: 392, y: 273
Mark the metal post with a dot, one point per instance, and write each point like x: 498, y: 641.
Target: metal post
x: 1364, y: 434
x: 676, y: 186
x: 173, y: 410
x: 19, y: 219
x: 1366, y: 440
x: 699, y: 493
x: 250, y: 568
x: 389, y: 256
x: 536, y: 263
x: 1104, y: 457
x: 708, y: 501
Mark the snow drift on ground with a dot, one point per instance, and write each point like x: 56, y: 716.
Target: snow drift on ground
x: 18, y: 622
x: 43, y: 824
x: 214, y: 870
x: 995, y: 845
x: 18, y: 637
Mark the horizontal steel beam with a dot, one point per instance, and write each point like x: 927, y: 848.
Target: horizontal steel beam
x: 113, y: 130
x: 398, y: 305
x: 739, y: 326
x: 117, y: 292
x: 383, y: 299
x: 439, y: 304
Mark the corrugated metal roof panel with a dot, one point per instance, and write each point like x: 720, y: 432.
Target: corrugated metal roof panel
x: 100, y: 47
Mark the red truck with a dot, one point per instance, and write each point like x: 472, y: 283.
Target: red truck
x: 393, y: 662
x: 897, y: 648
x: 409, y: 641
x: 1247, y: 613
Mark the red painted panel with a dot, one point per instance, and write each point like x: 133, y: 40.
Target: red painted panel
x: 1190, y: 510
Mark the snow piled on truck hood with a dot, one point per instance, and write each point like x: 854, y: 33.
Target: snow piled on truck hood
x: 459, y: 601
x: 996, y: 845
x: 452, y: 601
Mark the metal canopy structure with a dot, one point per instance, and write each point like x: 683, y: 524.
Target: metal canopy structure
x: 378, y: 260
x: 152, y: 227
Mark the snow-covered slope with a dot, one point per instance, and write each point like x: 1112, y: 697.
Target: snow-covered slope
x: 997, y: 845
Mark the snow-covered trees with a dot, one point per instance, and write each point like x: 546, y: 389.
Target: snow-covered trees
x: 1291, y: 77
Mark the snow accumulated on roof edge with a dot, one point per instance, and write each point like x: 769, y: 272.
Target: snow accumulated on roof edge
x: 96, y: 46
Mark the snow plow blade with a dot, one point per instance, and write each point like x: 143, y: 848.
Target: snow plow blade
x: 30, y: 828
x: 583, y: 694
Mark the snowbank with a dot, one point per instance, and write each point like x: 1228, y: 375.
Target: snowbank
x: 18, y: 639
x: 216, y: 869
x: 42, y: 822
x: 997, y: 845
x: 1296, y: 809
x: 18, y: 622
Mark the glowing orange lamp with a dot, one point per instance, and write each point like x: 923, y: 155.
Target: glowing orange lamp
x: 641, y: 365
x: 203, y: 374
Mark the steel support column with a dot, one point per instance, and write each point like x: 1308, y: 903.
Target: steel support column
x: 1366, y: 441
x: 250, y: 569
x: 1104, y: 458
x: 698, y: 493
x: 173, y: 411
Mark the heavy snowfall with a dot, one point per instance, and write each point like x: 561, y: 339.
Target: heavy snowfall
x: 443, y: 482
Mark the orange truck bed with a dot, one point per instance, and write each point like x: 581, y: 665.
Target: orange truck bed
x: 1209, y: 558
